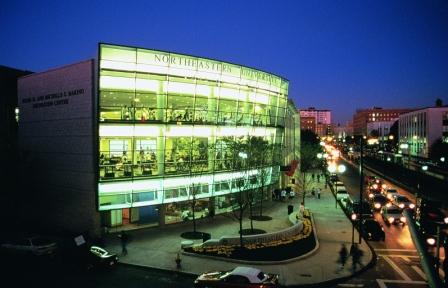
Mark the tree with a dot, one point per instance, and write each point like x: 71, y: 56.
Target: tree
x: 308, y: 162
x: 438, y: 150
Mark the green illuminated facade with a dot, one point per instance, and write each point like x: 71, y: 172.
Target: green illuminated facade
x: 165, y: 122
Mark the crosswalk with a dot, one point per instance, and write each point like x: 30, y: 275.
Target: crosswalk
x: 395, y: 268
x: 406, y: 264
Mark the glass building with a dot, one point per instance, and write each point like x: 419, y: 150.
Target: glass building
x: 167, y: 127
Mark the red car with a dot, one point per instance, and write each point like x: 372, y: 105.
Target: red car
x: 238, y: 277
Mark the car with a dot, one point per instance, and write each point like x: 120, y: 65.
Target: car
x: 100, y: 258
x: 34, y: 245
x: 390, y: 193
x: 402, y: 202
x: 354, y: 207
x: 238, y: 277
x: 334, y: 177
x: 428, y: 216
x: 376, y: 186
x: 371, y: 229
x: 338, y: 184
x: 378, y: 201
x: 341, y: 193
x: 392, y: 214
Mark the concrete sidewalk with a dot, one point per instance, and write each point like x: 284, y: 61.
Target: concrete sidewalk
x: 158, y: 247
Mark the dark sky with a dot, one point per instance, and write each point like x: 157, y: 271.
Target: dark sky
x: 338, y: 55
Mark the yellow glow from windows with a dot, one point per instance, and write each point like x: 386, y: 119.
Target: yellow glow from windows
x: 128, y: 131
x: 179, y: 88
x: 124, y: 66
x: 146, y: 85
x: 117, y: 83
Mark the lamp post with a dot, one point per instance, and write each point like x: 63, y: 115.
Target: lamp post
x: 361, y: 183
x: 353, y: 217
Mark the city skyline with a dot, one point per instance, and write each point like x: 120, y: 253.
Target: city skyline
x: 340, y: 56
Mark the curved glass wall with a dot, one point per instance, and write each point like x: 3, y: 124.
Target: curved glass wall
x: 166, y: 120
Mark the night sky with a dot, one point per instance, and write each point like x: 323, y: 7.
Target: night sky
x: 338, y: 55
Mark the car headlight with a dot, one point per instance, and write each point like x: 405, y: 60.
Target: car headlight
x: 371, y: 195
x: 375, y: 186
x: 383, y: 186
x: 401, y: 205
x: 388, y: 204
x: 431, y: 241
x: 403, y: 219
x: 412, y: 205
x: 391, y: 219
x: 377, y: 205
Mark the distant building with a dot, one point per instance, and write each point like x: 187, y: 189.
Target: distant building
x: 11, y: 160
x: 341, y: 132
x: 380, y: 129
x: 419, y: 129
x: 322, y: 120
x: 377, y: 114
x: 308, y: 123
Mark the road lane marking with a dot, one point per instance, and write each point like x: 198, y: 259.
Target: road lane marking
x: 399, y: 255
x: 419, y: 271
x: 397, y: 269
x: 409, y: 250
x: 406, y: 258
x: 382, y: 282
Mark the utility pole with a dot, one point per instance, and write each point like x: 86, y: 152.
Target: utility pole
x: 361, y: 187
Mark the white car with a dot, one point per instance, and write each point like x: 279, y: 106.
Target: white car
x: 341, y: 193
x: 390, y: 193
x: 392, y: 214
x: 31, y: 245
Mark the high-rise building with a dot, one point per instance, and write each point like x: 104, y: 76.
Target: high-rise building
x: 133, y: 136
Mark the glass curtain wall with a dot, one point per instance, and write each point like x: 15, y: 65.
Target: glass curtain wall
x: 166, y: 120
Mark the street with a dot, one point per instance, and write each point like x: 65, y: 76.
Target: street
x: 398, y: 263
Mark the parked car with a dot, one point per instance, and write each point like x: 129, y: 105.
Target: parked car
x: 341, y: 193
x: 238, y: 277
x: 334, y: 177
x: 35, y: 245
x: 402, y: 202
x: 392, y: 214
x: 378, y: 201
x: 354, y: 207
x: 372, y: 230
x: 390, y: 193
x: 99, y: 258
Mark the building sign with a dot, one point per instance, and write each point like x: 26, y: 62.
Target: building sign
x: 52, y: 99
